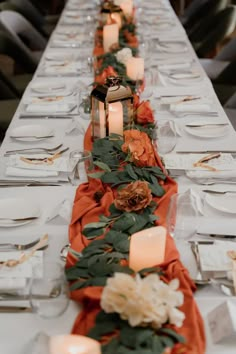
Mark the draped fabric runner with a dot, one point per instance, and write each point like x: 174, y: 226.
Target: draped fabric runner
x: 86, y: 210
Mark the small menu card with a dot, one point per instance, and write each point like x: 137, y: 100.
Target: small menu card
x: 222, y: 321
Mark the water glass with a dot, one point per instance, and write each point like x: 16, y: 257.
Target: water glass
x: 147, y: 92
x: 182, y: 216
x: 166, y: 136
x: 80, y: 163
x: 84, y: 104
x: 49, y: 294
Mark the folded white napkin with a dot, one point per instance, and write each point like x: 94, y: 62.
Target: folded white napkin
x: 59, y: 164
x: 21, y: 172
x: 65, y: 43
x: 49, y: 107
x: 212, y: 175
x: 12, y: 284
x: 214, y: 257
x: 188, y: 107
x: 70, y: 67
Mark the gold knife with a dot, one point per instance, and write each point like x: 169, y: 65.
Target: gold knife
x: 15, y: 309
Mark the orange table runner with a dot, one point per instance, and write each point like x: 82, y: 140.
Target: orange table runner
x: 87, y: 209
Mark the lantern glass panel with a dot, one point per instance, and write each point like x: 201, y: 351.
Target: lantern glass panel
x: 112, y: 108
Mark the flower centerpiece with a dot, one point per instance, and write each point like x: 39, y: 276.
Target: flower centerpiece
x: 138, y: 312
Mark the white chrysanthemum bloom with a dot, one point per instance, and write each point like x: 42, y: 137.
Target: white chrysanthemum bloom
x: 124, y: 55
x: 142, y: 302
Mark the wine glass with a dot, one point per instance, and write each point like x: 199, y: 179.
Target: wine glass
x: 81, y: 163
x: 166, y: 136
x: 49, y: 293
x: 182, y: 216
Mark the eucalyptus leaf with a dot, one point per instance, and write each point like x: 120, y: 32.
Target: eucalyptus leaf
x: 95, y: 225
x: 96, y: 175
x: 125, y: 221
x: 157, y: 345
x: 167, y: 342
x: 111, y: 347
x: 102, y: 165
x: 114, y: 236
x: 92, y: 233
x: 171, y: 333
x: 131, y: 172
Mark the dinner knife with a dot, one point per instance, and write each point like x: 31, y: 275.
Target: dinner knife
x: 219, y: 236
x: 15, y: 309
x: 46, y: 116
x: 211, y: 191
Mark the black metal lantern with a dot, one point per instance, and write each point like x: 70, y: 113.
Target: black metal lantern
x: 111, y: 13
x: 111, y: 108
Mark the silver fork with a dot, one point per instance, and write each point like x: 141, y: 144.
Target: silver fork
x: 203, y: 114
x: 33, y: 150
x: 16, y: 246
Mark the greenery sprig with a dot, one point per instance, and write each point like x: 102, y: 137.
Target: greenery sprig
x: 132, y: 340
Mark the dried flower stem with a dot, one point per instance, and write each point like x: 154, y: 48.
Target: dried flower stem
x: 25, y: 257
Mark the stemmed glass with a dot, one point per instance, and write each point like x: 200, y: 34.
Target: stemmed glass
x: 49, y: 294
x: 166, y: 136
x: 182, y: 216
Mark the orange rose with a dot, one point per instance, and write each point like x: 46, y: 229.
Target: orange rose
x: 109, y: 71
x: 139, y: 146
x: 134, y: 197
x: 131, y: 39
x: 144, y: 113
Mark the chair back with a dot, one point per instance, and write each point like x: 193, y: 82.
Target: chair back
x: 7, y: 89
x: 213, y: 30
x: 31, y: 13
x: 13, y: 50
x: 27, y: 37
x: 228, y: 53
x: 228, y: 75
x: 204, y: 9
x: 231, y: 103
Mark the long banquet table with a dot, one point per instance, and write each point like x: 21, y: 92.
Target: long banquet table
x: 18, y: 330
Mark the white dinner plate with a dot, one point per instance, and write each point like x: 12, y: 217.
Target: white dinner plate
x: 184, y: 79
x: 172, y: 47
x: 224, y: 203
x: 208, y: 131
x: 19, y: 209
x: 31, y: 133
x: 49, y: 87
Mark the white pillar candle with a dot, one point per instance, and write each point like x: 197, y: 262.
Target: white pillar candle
x: 135, y: 68
x: 127, y: 7
x: 115, y: 118
x: 115, y: 16
x: 147, y: 248
x: 110, y: 36
x: 73, y: 344
x: 102, y: 118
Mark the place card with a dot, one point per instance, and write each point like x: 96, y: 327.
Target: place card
x: 62, y: 212
x: 214, y: 257
x: 222, y: 321
x: 187, y: 161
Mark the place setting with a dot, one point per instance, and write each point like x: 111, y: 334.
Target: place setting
x: 18, y: 212
x: 30, y: 283
x: 205, y: 256
x: 56, y: 104
x: 31, y: 133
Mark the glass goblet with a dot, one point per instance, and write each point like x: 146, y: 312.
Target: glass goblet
x: 49, y: 294
x: 182, y: 217
x: 166, y: 136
